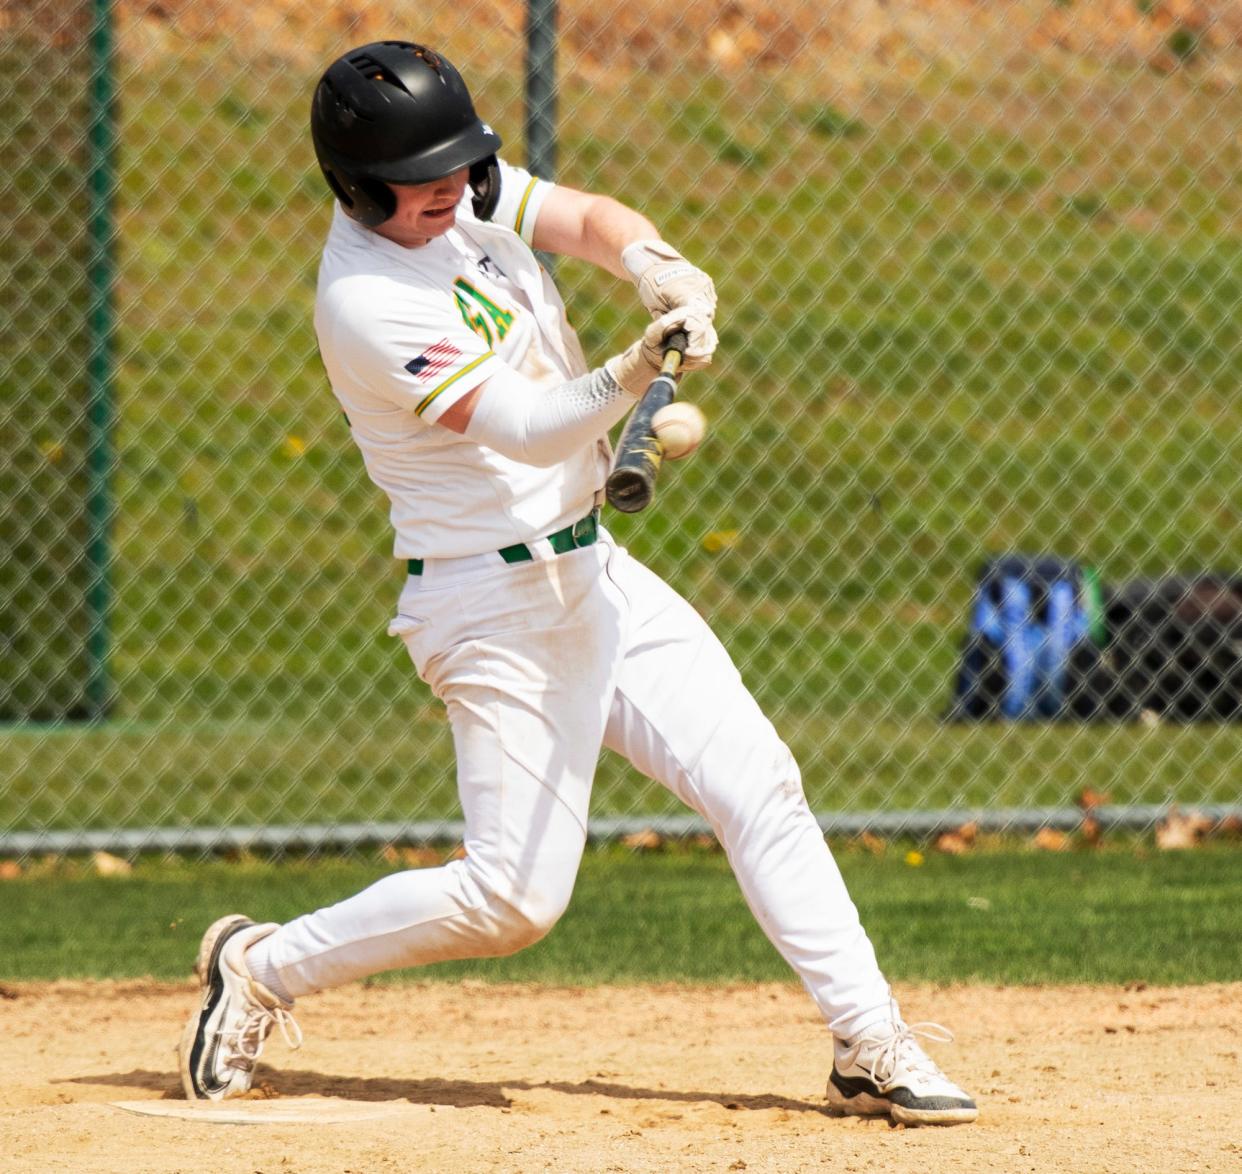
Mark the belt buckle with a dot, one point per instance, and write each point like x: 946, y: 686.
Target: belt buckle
x: 584, y: 527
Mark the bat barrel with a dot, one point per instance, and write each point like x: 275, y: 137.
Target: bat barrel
x: 631, y: 484
x: 630, y: 490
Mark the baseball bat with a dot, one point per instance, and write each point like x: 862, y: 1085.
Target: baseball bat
x: 631, y: 483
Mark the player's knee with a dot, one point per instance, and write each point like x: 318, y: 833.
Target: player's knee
x: 519, y: 930
x: 764, y: 762
x: 527, y: 917
x: 523, y: 910
x: 750, y: 784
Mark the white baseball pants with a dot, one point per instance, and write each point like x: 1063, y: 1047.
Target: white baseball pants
x: 538, y: 664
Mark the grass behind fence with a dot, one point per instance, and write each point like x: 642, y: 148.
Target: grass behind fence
x: 942, y: 335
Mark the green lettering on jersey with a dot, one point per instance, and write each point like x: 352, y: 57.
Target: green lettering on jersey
x: 481, y: 314
x: 476, y: 321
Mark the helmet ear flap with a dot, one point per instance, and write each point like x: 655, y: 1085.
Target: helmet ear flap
x: 381, y: 202
x: 368, y: 201
x: 485, y: 183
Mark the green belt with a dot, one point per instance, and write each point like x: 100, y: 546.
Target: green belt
x: 583, y: 532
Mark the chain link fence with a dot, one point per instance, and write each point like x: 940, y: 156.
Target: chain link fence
x: 980, y: 283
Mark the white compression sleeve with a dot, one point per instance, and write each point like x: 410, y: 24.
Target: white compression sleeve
x: 541, y: 425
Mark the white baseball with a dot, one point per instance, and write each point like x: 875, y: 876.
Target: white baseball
x: 679, y: 428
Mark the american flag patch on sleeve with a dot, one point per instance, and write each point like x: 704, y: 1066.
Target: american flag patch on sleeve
x: 435, y: 360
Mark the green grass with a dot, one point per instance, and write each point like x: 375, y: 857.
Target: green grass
x: 945, y: 334
x: 1121, y: 914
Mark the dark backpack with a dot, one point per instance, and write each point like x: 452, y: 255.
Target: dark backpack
x: 1175, y: 647
x: 1032, y: 649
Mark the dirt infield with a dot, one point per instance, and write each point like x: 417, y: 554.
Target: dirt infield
x: 481, y: 1077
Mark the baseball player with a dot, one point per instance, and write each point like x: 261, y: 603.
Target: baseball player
x: 468, y: 395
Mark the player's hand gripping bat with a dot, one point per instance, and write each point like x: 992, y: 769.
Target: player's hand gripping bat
x: 631, y: 484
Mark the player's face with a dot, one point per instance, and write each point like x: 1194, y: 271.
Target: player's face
x: 425, y: 210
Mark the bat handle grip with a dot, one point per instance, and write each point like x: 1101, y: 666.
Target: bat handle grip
x: 674, y: 351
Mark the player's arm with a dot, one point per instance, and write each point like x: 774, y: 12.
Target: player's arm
x: 590, y: 227
x: 615, y: 237
x: 541, y: 425
x: 413, y: 350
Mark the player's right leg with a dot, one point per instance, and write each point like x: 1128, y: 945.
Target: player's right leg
x: 884, y: 1071
x: 682, y: 715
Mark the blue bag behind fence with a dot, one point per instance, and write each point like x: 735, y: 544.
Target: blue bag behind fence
x: 1033, y: 646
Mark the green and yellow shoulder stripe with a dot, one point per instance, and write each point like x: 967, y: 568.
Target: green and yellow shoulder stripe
x: 436, y: 392
x: 523, y: 205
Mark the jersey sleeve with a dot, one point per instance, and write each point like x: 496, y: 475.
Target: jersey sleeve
x: 521, y: 197
x: 416, y: 353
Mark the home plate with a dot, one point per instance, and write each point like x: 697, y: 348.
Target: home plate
x: 286, y: 1111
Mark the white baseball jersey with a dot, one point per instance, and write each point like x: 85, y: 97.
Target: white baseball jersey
x: 406, y: 332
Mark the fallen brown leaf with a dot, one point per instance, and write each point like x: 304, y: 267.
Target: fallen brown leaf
x: 874, y: 844
x: 1180, y: 831
x: 410, y: 855
x: 1088, y: 799
x: 106, y: 864
x: 1051, y: 840
x: 952, y: 843
x: 648, y: 840
x: 1230, y: 828
x: 47, y: 865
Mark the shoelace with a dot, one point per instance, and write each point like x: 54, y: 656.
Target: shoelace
x: 883, y: 1066
x: 247, y: 1041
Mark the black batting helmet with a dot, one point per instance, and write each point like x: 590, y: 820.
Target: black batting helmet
x: 396, y: 112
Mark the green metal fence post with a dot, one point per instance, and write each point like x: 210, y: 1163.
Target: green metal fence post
x: 101, y: 409
x: 541, y: 95
x: 541, y: 88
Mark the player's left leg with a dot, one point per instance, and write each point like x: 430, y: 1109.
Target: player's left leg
x: 524, y: 658
x: 682, y: 715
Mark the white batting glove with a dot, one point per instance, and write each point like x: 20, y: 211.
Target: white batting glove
x: 666, y: 280
x: 636, y: 367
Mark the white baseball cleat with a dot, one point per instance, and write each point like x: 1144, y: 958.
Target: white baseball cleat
x: 884, y: 1071
x: 223, y: 1038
